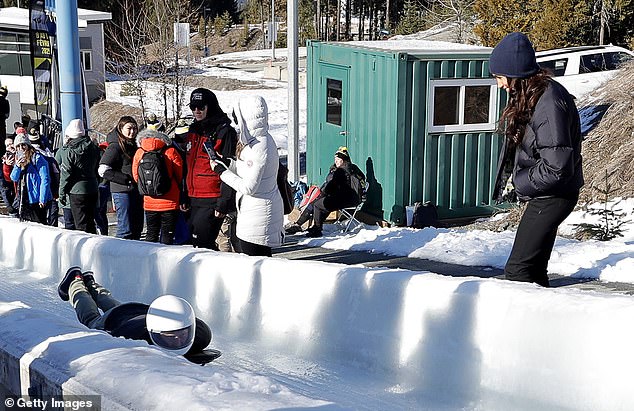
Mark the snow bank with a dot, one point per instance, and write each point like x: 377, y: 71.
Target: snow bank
x: 425, y: 340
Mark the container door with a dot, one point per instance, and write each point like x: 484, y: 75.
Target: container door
x: 333, y: 115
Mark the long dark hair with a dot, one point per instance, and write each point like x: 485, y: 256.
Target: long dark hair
x: 523, y: 96
x: 122, y: 139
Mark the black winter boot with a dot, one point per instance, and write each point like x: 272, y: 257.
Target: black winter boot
x: 72, y: 274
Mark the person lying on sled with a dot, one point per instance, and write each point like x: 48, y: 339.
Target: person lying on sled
x: 168, y: 322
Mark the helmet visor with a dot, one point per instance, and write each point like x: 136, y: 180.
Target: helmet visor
x: 173, y: 340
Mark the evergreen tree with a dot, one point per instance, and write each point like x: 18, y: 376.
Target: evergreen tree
x: 560, y: 23
x: 412, y: 21
x: 306, y: 19
x: 497, y: 18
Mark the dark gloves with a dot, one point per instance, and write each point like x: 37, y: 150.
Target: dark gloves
x: 220, y: 167
x: 184, y: 200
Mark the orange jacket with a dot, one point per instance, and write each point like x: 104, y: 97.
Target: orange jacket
x: 174, y: 162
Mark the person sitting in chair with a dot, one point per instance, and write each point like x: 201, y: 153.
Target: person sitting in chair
x: 168, y: 322
x: 343, y: 188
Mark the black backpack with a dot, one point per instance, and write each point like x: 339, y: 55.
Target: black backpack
x: 154, y: 180
x: 425, y: 215
x: 286, y: 191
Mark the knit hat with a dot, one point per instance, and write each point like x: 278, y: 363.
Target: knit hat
x: 75, y: 129
x: 21, y: 139
x: 513, y: 57
x: 343, y: 154
x: 153, y: 123
x: 202, y: 96
x: 182, y: 128
x: 34, y: 135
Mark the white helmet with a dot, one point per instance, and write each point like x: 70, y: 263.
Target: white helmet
x: 171, y: 323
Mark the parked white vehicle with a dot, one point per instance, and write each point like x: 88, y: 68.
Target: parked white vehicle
x: 583, y: 69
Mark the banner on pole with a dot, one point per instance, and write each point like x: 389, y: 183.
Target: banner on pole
x: 41, y: 54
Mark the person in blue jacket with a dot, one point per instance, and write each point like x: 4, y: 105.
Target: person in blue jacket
x: 541, y: 155
x: 34, y: 185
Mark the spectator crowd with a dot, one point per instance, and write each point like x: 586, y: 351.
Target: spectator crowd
x: 211, y: 182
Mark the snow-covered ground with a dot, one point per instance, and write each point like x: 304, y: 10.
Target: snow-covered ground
x: 299, y: 335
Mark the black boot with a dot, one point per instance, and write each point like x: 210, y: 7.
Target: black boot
x: 72, y: 274
x: 314, y: 232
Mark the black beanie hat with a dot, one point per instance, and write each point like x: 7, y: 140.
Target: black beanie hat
x: 204, y: 96
x: 513, y: 57
x: 343, y: 154
x: 208, y: 98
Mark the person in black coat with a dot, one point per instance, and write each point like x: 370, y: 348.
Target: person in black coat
x: 5, y: 110
x: 116, y: 167
x: 344, y: 187
x: 541, y: 155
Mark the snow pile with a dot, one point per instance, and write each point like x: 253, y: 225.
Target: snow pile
x: 304, y: 333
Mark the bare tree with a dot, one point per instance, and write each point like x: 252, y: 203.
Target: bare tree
x: 165, y: 53
x: 127, y: 37
x: 457, y: 12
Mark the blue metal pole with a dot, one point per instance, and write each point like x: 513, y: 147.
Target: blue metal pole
x: 69, y: 67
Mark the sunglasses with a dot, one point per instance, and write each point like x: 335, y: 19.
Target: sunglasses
x: 197, y: 106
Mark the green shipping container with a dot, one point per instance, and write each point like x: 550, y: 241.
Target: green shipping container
x: 419, y: 122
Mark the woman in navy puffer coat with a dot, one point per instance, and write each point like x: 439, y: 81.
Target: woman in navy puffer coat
x: 541, y: 155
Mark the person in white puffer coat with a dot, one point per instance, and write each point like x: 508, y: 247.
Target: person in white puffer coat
x: 254, y: 177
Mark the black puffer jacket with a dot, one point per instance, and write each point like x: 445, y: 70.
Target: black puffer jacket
x: 116, y: 165
x: 547, y: 163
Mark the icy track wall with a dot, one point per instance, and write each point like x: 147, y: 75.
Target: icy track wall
x: 457, y: 340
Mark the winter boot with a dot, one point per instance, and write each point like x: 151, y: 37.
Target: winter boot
x: 72, y: 274
x: 314, y: 232
x: 89, y: 279
x: 292, y: 228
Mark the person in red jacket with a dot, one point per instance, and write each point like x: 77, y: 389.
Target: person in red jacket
x: 207, y: 196
x: 7, y: 188
x: 161, y: 212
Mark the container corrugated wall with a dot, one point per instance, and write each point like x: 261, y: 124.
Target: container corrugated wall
x: 388, y: 135
x: 455, y: 171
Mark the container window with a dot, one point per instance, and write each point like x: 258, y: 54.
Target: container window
x: 476, y: 104
x: 462, y: 105
x: 446, y: 109
x: 334, y: 101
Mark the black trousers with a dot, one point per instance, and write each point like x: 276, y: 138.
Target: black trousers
x: 254, y: 249
x: 203, y: 224
x: 82, y: 206
x: 326, y: 204
x: 535, y: 239
x: 33, y: 212
x: 160, y: 223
